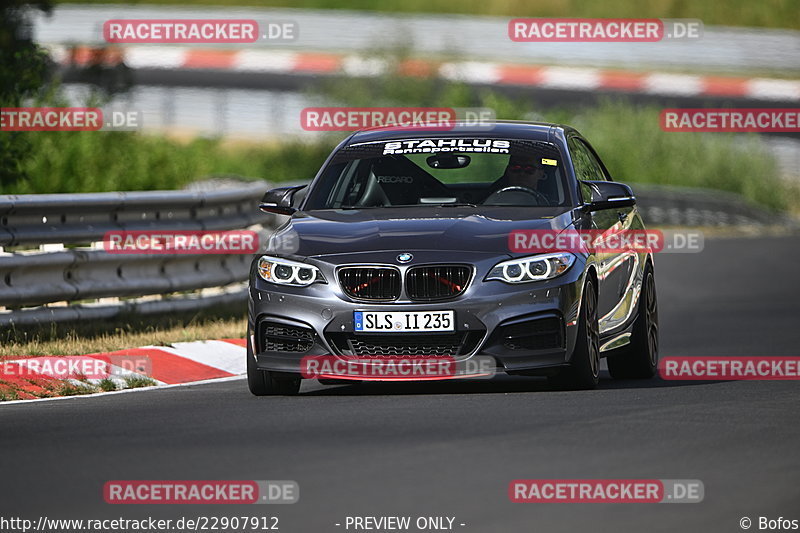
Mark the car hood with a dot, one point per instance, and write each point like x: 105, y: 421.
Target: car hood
x: 463, y: 229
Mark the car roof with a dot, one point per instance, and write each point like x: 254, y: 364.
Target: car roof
x: 540, y: 131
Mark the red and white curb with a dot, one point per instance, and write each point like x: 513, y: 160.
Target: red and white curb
x: 491, y: 73
x: 181, y: 363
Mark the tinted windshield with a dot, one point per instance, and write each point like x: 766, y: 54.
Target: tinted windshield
x: 442, y: 171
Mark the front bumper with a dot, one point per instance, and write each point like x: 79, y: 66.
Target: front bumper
x: 528, y: 329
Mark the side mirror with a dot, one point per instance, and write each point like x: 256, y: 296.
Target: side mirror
x: 609, y: 195
x: 279, y: 201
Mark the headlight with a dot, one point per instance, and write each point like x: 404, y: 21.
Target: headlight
x: 286, y: 272
x: 533, y: 268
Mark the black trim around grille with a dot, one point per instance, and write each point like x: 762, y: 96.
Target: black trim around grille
x: 370, y: 283
x: 437, y: 282
x: 406, y: 345
x: 277, y: 337
x: 535, y: 334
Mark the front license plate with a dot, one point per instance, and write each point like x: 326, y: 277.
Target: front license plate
x: 398, y: 322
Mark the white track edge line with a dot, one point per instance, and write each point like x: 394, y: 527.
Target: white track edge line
x: 137, y: 389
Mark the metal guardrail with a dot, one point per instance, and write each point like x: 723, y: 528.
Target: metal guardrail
x: 668, y: 205
x: 67, y: 267
x: 79, y: 218
x: 54, y: 282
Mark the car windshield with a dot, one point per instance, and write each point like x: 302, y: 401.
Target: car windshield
x: 442, y: 171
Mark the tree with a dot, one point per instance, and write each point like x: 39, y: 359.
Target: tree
x: 24, y: 70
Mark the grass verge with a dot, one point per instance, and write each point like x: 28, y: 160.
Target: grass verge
x: 119, y: 334
x: 136, y: 382
x: 30, y: 389
x: 628, y: 139
x: 107, y: 336
x: 73, y: 162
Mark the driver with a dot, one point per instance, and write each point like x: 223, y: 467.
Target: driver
x: 522, y: 171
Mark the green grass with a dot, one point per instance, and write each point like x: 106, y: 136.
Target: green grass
x: 113, y: 161
x: 635, y: 150
x: 107, y: 385
x: 135, y: 382
x: 77, y: 388
x: 79, y: 338
x: 8, y: 396
x: 74, y: 389
x: 628, y: 139
x: 763, y: 13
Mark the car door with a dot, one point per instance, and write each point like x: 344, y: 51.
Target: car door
x: 616, y: 268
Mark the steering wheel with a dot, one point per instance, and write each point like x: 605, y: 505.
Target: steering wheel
x: 539, y: 197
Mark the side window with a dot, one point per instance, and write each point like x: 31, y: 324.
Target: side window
x: 586, y: 192
x: 583, y: 170
x: 586, y: 165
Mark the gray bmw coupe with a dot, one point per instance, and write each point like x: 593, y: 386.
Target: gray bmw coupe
x: 412, y: 244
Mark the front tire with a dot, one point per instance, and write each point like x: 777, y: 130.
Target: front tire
x: 265, y: 383
x: 639, y: 360
x: 584, y: 370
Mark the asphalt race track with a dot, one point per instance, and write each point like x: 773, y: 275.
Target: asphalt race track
x: 451, y: 449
